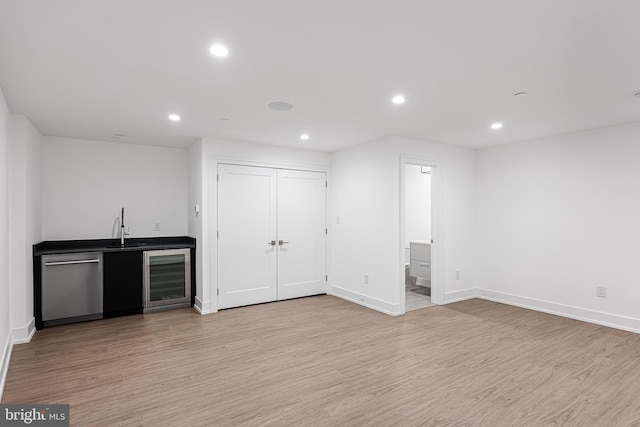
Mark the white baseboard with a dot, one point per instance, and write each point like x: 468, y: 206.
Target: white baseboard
x: 24, y: 335
x: 462, y: 295
x: 203, y: 307
x: 4, y: 362
x: 364, y: 300
x: 624, y: 323
x: 630, y: 324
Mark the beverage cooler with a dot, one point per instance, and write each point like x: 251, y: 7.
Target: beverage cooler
x: 167, y: 279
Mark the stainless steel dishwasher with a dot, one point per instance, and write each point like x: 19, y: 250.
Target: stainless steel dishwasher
x: 71, y: 288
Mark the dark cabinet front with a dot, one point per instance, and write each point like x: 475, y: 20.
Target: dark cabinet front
x: 114, y: 275
x: 122, y: 283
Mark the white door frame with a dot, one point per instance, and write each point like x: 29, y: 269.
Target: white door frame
x: 210, y: 224
x: 437, y: 261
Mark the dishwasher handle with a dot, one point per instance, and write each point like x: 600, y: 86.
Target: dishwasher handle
x: 84, y: 261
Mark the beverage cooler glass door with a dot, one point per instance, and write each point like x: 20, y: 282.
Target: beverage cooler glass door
x: 167, y: 279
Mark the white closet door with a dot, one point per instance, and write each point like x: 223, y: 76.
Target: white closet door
x: 246, y: 225
x: 302, y: 260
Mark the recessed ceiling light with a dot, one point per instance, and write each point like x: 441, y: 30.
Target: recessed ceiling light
x: 174, y: 117
x: 398, y: 99
x: 280, y: 106
x: 496, y: 126
x: 520, y: 94
x: 304, y: 137
x: 637, y: 94
x: 219, y: 51
x: 224, y: 119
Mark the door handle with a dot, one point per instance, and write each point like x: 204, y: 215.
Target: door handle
x: 281, y: 242
x: 82, y: 261
x: 272, y: 243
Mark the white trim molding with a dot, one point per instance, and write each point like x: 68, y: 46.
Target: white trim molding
x: 23, y: 335
x: 203, y: 307
x: 624, y: 323
x: 4, y: 363
x: 365, y: 300
x: 461, y: 295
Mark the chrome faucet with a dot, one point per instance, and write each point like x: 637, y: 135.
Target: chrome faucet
x: 122, y: 232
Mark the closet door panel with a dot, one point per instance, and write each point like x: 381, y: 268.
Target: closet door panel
x: 247, y: 269
x: 302, y: 255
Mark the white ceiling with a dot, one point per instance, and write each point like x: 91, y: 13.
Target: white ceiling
x: 91, y: 69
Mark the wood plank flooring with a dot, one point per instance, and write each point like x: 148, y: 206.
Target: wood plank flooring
x: 322, y: 361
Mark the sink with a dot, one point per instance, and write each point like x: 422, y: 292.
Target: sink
x: 127, y: 245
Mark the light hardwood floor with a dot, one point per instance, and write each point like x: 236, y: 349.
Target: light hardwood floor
x: 322, y: 361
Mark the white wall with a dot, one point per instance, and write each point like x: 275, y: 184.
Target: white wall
x: 87, y: 182
x: 210, y: 151
x: 264, y: 154
x: 25, y: 216
x: 366, y: 196
x: 194, y: 227
x: 5, y: 306
x: 417, y: 186
x: 558, y: 217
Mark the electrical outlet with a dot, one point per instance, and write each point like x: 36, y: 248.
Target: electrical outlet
x: 338, y: 220
x: 601, y: 292
x: 366, y: 279
x: 457, y: 274
x: 156, y: 226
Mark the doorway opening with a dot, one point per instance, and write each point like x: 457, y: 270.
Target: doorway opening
x: 417, y: 236
x: 419, y: 287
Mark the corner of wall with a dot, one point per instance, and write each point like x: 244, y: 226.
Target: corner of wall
x: 203, y: 307
x: 24, y: 334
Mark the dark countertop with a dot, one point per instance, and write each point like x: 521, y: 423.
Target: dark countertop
x: 51, y: 247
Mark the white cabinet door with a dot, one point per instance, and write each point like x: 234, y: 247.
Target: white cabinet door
x: 258, y: 206
x: 246, y: 225
x: 302, y: 255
